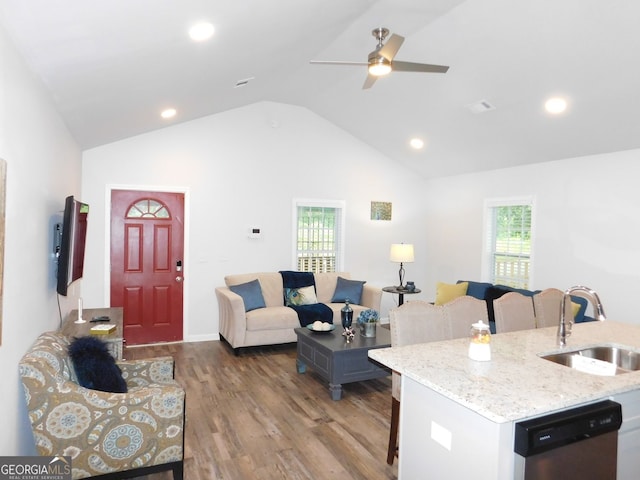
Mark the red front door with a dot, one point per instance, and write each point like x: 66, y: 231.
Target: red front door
x: 147, y: 246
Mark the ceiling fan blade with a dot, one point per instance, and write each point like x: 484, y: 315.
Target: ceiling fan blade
x: 392, y: 46
x: 418, y: 67
x: 330, y: 62
x: 369, y: 81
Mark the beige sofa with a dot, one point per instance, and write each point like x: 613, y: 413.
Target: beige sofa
x: 275, y: 323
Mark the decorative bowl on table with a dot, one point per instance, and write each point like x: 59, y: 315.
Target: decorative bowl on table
x: 321, y: 327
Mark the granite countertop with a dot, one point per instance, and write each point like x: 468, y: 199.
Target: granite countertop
x: 516, y: 383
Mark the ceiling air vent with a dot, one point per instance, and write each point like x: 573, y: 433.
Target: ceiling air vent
x: 480, y: 106
x: 243, y: 83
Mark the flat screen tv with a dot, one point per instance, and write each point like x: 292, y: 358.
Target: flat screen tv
x: 72, y: 244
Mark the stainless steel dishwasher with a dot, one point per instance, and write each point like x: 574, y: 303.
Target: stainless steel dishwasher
x: 581, y: 442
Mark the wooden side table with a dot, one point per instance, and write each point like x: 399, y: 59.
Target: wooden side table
x: 115, y: 340
x: 401, y: 292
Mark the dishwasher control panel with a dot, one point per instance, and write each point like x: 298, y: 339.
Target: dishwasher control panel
x: 552, y: 431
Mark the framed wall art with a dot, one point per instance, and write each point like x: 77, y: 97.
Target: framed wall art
x: 380, y: 210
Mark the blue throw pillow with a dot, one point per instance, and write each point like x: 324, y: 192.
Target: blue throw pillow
x: 95, y: 367
x: 476, y: 289
x: 348, y: 289
x: 251, y: 294
x: 526, y: 293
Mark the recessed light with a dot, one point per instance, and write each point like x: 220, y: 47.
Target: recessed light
x: 417, y: 143
x: 555, y: 105
x: 201, y: 31
x: 168, y: 113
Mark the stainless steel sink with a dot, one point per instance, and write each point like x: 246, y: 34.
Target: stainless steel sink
x: 599, y: 360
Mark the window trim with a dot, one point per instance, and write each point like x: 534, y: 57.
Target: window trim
x: 309, y: 202
x: 487, y: 251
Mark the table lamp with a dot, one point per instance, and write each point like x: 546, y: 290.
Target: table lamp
x: 401, y: 253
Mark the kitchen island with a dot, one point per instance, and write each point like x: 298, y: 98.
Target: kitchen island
x: 457, y: 415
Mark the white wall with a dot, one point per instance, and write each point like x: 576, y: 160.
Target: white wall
x: 243, y: 168
x: 43, y: 167
x: 586, y: 225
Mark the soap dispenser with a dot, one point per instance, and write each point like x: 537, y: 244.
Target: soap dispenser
x: 480, y: 342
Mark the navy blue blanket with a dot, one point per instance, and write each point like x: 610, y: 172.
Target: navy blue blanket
x: 292, y: 279
x: 306, y: 313
x: 310, y: 313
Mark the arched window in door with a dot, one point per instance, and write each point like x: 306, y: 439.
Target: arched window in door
x: 148, y: 208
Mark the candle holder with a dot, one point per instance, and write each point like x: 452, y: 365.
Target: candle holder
x: 80, y: 319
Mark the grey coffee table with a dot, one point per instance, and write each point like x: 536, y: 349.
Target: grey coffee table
x: 337, y: 361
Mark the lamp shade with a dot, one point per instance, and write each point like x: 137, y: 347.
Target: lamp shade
x: 401, y: 253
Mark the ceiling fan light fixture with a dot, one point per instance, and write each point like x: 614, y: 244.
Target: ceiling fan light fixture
x: 379, y: 66
x: 381, y: 61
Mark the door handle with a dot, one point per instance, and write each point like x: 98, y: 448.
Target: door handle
x: 179, y: 279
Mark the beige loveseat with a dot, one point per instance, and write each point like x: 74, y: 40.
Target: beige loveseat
x: 275, y: 323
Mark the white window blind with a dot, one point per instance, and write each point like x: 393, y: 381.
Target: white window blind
x: 318, y: 236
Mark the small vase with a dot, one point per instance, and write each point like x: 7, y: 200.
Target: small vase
x: 368, y: 329
x: 346, y: 315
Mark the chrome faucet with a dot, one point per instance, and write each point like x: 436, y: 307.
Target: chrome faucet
x: 564, y: 329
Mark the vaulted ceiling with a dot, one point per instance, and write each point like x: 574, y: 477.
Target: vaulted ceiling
x: 113, y: 65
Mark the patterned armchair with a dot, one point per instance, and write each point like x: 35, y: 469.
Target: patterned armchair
x: 107, y: 435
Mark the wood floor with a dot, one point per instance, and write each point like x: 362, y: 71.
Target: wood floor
x: 254, y: 417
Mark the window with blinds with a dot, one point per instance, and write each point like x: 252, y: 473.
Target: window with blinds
x: 509, y: 238
x: 318, y: 236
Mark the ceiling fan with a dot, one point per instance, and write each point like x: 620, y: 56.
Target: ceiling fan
x: 381, y: 60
